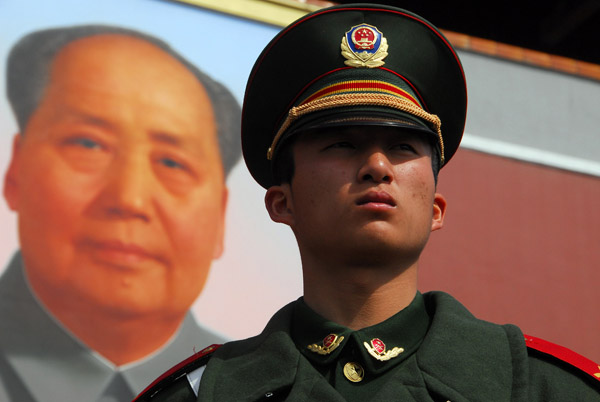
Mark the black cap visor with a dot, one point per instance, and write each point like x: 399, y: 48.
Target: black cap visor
x: 353, y: 116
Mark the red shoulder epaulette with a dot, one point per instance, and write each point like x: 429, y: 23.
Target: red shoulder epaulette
x: 566, y: 355
x: 188, y: 365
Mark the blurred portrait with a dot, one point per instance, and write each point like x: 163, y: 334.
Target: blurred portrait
x: 117, y: 178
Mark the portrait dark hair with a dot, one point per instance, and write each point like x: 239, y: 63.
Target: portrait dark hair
x: 30, y: 60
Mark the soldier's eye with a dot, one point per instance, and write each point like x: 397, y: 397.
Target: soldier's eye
x: 341, y: 144
x: 404, y: 147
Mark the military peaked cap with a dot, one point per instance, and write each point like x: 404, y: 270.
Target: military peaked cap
x: 357, y: 64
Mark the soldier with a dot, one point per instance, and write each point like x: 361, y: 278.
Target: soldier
x: 348, y: 139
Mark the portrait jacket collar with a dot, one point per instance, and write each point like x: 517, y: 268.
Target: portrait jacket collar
x: 40, y: 360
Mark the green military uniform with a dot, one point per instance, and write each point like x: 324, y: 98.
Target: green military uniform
x: 448, y: 355
x: 369, y: 65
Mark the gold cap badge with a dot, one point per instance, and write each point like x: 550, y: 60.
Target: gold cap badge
x: 364, y: 46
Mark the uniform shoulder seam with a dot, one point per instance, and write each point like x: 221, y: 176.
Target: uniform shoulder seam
x: 564, y: 354
x: 186, y: 366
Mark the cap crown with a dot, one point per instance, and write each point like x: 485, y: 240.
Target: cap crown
x: 310, y: 49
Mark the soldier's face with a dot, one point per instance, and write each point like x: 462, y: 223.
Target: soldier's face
x: 363, y: 192
x: 118, y: 182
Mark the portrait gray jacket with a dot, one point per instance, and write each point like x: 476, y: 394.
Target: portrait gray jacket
x: 40, y: 361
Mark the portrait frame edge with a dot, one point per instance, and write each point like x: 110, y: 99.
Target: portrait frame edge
x: 273, y: 12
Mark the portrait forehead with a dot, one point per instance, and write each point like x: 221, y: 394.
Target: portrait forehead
x: 115, y: 77
x: 121, y: 55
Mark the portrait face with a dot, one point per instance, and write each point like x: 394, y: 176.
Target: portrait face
x: 117, y: 181
x: 363, y: 193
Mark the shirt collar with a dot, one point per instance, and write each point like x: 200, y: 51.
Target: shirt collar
x: 379, y: 347
x: 43, y: 353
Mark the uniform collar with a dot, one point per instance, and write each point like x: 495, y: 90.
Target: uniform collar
x: 378, y: 348
x: 457, y: 355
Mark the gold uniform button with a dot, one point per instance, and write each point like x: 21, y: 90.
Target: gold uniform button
x: 354, y: 372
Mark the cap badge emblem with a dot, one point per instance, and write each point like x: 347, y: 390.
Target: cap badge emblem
x: 330, y: 343
x: 364, y: 46
x: 377, y: 350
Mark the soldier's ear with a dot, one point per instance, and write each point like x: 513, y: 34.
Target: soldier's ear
x: 439, y: 211
x: 278, y: 202
x: 11, y: 179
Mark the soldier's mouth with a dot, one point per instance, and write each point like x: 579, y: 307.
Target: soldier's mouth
x: 376, y: 197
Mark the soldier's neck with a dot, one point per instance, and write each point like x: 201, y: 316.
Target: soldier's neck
x: 359, y: 297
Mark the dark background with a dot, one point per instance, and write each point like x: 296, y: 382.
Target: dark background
x: 561, y: 27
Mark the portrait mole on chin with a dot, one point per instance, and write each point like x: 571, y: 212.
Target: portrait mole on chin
x: 117, y: 178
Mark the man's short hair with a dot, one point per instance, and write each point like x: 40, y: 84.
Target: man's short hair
x: 28, y: 72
